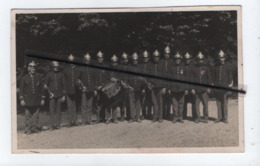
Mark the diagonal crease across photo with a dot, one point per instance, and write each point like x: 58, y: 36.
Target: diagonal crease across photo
x: 130, y: 69
x: 127, y: 80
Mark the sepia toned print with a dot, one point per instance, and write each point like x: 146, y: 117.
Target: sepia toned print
x: 137, y: 80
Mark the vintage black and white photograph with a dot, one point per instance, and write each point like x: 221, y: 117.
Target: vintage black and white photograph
x: 127, y: 80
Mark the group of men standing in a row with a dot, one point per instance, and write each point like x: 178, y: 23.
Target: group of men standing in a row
x: 142, y: 94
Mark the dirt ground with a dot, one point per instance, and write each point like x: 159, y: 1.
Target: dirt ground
x: 136, y: 135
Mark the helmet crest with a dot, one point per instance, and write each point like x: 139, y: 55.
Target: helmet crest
x: 87, y: 57
x: 100, y: 54
x: 71, y: 57
x: 167, y: 50
x: 135, y: 56
x: 114, y: 58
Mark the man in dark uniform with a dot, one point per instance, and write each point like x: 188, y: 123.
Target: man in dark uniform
x: 189, y: 94
x: 71, y: 74
x: 222, y: 77
x: 100, y: 79
x: 87, y: 86
x: 55, y: 84
x: 125, y: 105
x: 154, y: 90
x: 177, y: 89
x: 146, y: 102
x: 202, y: 75
x: 111, y: 109
x: 166, y: 62
x: 137, y: 83
x: 31, y: 97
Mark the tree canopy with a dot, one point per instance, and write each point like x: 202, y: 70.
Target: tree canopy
x: 114, y: 33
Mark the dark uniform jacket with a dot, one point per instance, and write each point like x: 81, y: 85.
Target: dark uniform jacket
x: 115, y: 73
x: 222, y: 75
x: 202, y: 75
x: 56, y: 83
x: 124, y: 68
x: 31, y: 89
x: 71, y: 75
x: 143, y: 68
x: 188, y: 70
x: 177, y: 72
x: 136, y: 81
x: 101, y: 76
x: 165, y: 72
x: 88, y: 77
x: 154, y: 68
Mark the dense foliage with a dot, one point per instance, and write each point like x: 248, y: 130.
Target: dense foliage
x: 114, y: 33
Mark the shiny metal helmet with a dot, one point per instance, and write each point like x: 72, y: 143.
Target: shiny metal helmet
x: 124, y: 56
x: 55, y: 64
x: 32, y: 64
x: 145, y: 54
x: 221, y: 54
x: 177, y: 56
x: 71, y: 57
x: 87, y: 57
x: 135, y: 56
x: 114, y: 58
x: 156, y: 53
x: 200, y: 56
x: 187, y: 56
x: 167, y: 50
x: 100, y: 54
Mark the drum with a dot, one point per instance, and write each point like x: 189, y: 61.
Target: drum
x: 111, y: 89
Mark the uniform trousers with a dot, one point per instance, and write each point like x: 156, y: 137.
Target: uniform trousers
x: 222, y: 103
x: 125, y: 106
x: 87, y: 106
x: 178, y: 104
x: 158, y: 112
x: 112, y: 104
x: 78, y: 98
x: 137, y: 104
x: 190, y: 98
x: 166, y: 105
x: 72, y: 111
x: 55, y: 112
x: 32, y: 117
x: 154, y: 102
x: 100, y: 106
x: 111, y: 113
x: 146, y: 106
x: 204, y: 98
